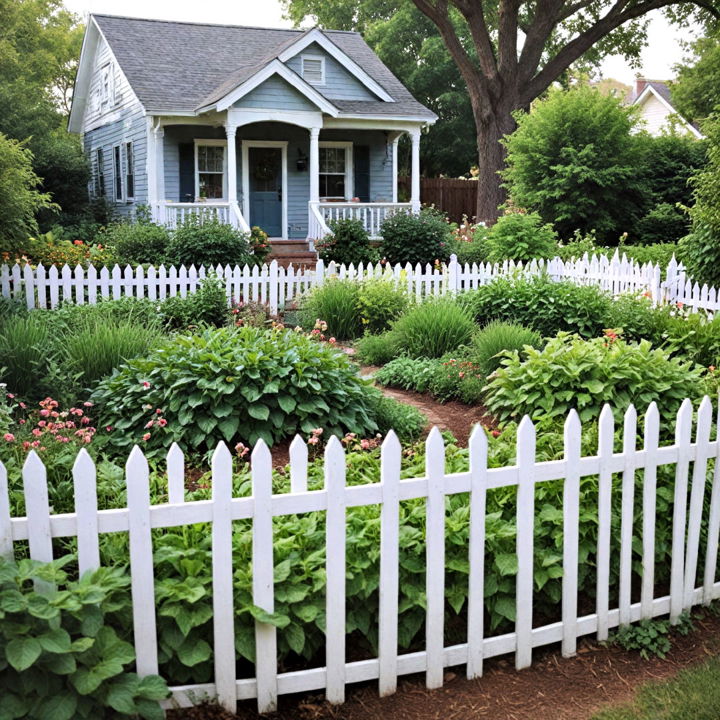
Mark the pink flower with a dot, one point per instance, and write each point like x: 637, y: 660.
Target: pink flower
x: 108, y: 428
x: 364, y: 444
x: 158, y: 411
x: 314, y: 440
x: 9, y: 437
x: 42, y: 423
x: 317, y: 431
x: 10, y: 396
x: 87, y: 403
x: 241, y: 449
x: 85, y: 420
x: 22, y: 405
x: 146, y: 384
x: 149, y: 424
x: 332, y: 340
x: 162, y: 422
x: 22, y: 422
x: 44, y: 412
x: 36, y: 432
x: 26, y: 445
x: 146, y: 437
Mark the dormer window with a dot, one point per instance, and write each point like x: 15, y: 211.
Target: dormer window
x: 313, y: 69
x: 107, y: 85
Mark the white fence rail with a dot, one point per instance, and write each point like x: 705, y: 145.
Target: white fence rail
x: 696, y: 489
x: 277, y: 286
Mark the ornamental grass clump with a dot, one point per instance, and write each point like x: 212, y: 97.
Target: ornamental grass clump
x: 436, y: 327
x: 496, y: 337
x: 585, y: 374
x: 335, y: 302
x: 233, y: 384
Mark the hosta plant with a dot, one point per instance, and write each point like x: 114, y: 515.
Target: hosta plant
x: 63, y: 654
x: 233, y: 384
x: 585, y: 374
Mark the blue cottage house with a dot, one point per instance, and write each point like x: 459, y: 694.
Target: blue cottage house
x: 284, y: 129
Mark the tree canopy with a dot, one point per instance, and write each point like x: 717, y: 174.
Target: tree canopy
x: 696, y: 90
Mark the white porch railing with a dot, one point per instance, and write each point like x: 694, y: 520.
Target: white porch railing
x: 372, y: 215
x: 172, y: 214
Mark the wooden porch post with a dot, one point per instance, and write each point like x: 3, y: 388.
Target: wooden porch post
x: 314, y: 164
x: 230, y: 131
x: 160, y: 163
x: 415, y: 171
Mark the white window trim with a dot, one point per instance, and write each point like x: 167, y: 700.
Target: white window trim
x: 283, y: 145
x: 214, y: 143
x: 107, y: 100
x: 124, y: 155
x: 118, y: 173
x: 349, y: 174
x: 321, y: 59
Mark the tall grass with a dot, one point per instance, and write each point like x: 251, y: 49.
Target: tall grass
x: 434, y: 328
x: 496, y: 337
x: 93, y: 350
x: 335, y: 302
x: 25, y: 352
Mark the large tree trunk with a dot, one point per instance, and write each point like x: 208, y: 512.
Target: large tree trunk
x: 491, y: 128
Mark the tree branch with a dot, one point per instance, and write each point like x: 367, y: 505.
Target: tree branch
x: 472, y: 11
x: 578, y: 46
x: 507, y: 37
x: 547, y: 16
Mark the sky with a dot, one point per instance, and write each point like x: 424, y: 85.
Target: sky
x: 662, y: 53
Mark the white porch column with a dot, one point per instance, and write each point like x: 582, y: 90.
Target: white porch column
x: 160, y: 163
x: 151, y: 166
x: 415, y: 171
x: 314, y: 164
x: 230, y: 131
x: 395, y: 169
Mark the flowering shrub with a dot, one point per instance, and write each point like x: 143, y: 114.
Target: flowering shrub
x: 250, y: 313
x: 259, y: 244
x: 458, y: 378
x: 48, y: 250
x: 233, y: 384
x: 468, y: 243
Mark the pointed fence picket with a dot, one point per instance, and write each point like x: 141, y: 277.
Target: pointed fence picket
x: 694, y: 580
x: 279, y: 287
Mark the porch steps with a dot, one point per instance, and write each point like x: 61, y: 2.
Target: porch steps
x: 291, y: 252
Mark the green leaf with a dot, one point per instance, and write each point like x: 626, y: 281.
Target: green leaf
x: 60, y: 664
x: 149, y: 709
x: 12, y: 601
x: 258, y: 411
x: 276, y: 619
x: 21, y: 653
x: 60, y: 706
x: 121, y: 694
x: 193, y: 652
x: 286, y: 403
x: 85, y: 681
x: 506, y: 563
x: 153, y: 687
x: 228, y: 427
x: 55, y: 641
x: 245, y: 642
x: 295, y: 637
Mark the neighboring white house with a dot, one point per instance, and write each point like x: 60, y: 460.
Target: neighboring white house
x: 657, y: 111
x: 283, y: 129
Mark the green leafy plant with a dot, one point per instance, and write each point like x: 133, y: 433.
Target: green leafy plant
x: 410, y: 238
x: 62, y: 657
x: 585, y: 374
x: 206, y: 241
x: 468, y: 243
x: 664, y: 223
x: 520, y: 237
x: 348, y: 244
x: 136, y: 242
x: 542, y: 304
x: 457, y: 377
x: 208, y: 305
x: 24, y: 354
x: 407, y: 373
x: 379, y: 302
x: 497, y: 337
x: 336, y: 303
x: 377, y: 349
x: 233, y: 384
x: 433, y: 328
x: 406, y: 420
x: 652, y: 637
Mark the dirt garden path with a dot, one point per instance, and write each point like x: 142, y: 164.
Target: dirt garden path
x: 554, y: 688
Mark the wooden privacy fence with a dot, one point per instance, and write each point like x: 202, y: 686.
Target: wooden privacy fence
x: 456, y: 197
x: 696, y: 490
x: 40, y: 287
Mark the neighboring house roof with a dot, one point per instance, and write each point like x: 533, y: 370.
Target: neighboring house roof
x: 646, y: 89
x: 179, y: 67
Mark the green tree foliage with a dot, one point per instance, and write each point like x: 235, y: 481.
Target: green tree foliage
x: 568, y: 158
x: 39, y: 48
x: 696, y: 91
x: 700, y: 250
x: 20, y: 198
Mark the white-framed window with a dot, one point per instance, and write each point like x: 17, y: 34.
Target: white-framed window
x: 99, y: 172
x: 335, y: 169
x: 117, y: 174
x: 210, y: 174
x: 129, y: 158
x: 313, y: 69
x: 107, y: 85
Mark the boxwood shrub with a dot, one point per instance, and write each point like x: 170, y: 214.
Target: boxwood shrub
x: 233, y: 384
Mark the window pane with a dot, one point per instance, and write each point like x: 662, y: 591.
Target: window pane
x: 211, y: 185
x: 332, y: 160
x: 332, y: 186
x: 210, y: 158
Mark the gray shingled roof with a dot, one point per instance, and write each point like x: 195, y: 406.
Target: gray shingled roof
x: 177, y: 66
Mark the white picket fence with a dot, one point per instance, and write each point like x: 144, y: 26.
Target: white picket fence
x: 41, y: 287
x: 637, y: 468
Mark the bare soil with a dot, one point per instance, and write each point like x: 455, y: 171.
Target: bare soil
x: 554, y: 688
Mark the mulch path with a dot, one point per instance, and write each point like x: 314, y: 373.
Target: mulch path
x: 554, y: 688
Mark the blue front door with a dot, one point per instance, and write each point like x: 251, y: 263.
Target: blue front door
x: 265, y: 171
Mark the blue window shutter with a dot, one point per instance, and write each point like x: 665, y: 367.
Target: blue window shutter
x: 187, y: 172
x: 361, y: 171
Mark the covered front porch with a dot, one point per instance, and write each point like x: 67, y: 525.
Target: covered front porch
x: 289, y: 173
